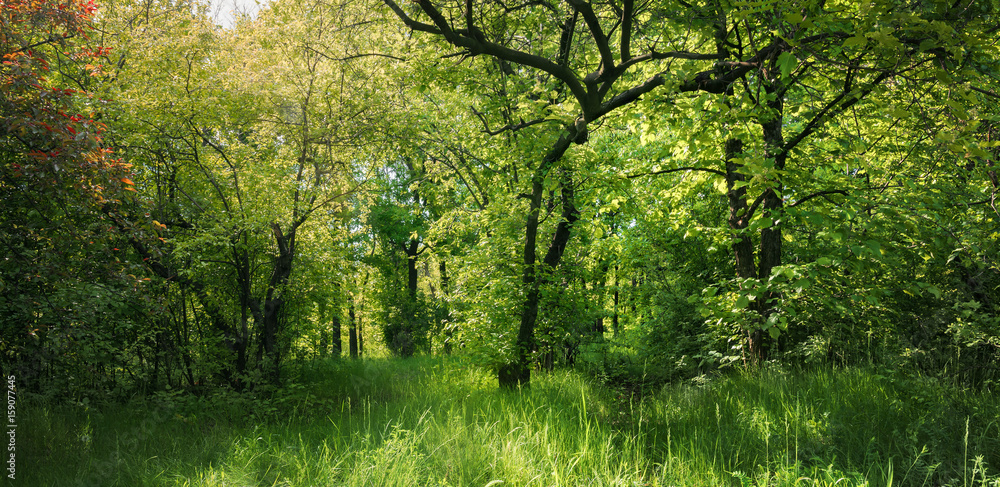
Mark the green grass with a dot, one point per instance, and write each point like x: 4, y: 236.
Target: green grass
x: 434, y: 421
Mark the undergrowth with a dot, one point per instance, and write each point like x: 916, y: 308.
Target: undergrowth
x: 441, y: 422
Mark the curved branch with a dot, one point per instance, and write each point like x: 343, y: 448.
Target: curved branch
x: 510, y: 127
x: 476, y: 45
x: 678, y: 169
x: 816, y: 195
x: 600, y: 38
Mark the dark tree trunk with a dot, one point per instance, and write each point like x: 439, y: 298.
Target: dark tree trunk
x: 445, y: 311
x: 352, y: 328
x: 411, y: 268
x: 360, y: 327
x: 743, y: 247
x: 518, y: 372
x: 738, y: 218
x: 336, y: 341
x: 773, y: 207
x: 614, y: 315
x: 267, y: 313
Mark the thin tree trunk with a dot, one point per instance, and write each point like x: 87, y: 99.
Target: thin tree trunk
x: 738, y: 218
x: 614, y: 316
x: 352, y: 328
x: 445, y: 311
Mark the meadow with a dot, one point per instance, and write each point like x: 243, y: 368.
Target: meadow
x: 442, y: 422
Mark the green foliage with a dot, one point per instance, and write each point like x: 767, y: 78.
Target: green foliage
x: 71, y: 306
x: 794, y: 183
x: 433, y: 421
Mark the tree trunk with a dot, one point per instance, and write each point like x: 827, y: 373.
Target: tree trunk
x: 352, y: 328
x: 614, y: 316
x: 336, y: 342
x: 267, y: 313
x: 518, y: 372
x: 738, y: 218
x: 445, y: 311
x: 743, y: 248
x: 773, y: 207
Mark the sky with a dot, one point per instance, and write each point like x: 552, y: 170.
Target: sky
x: 223, y: 10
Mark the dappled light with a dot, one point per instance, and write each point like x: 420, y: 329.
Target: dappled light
x: 303, y: 242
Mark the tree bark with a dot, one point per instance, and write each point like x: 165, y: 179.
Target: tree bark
x: 517, y: 373
x: 743, y: 246
x: 773, y: 207
x: 352, y: 328
x: 449, y: 332
x: 411, y: 267
x: 336, y: 342
x: 614, y: 316
x: 267, y: 312
x: 739, y: 219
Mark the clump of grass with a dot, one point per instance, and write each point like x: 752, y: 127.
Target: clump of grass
x: 440, y: 421
x: 773, y: 427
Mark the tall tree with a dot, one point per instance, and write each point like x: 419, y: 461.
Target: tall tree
x: 247, y: 137
x: 57, y: 178
x: 572, y: 50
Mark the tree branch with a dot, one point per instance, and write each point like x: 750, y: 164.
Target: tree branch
x: 816, y: 195
x: 626, y: 36
x: 600, y: 38
x: 510, y: 127
x: 476, y: 46
x: 678, y: 169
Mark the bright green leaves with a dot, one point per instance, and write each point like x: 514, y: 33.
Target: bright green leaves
x: 868, y: 249
x: 787, y: 63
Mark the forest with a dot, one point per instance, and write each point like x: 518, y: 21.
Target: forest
x: 501, y: 242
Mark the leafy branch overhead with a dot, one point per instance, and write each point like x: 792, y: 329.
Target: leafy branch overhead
x: 692, y: 185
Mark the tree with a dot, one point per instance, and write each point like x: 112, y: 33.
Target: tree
x: 825, y: 60
x: 588, y: 79
x: 398, y: 220
x: 243, y: 167
x: 57, y: 178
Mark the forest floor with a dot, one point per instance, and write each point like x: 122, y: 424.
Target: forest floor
x: 442, y: 422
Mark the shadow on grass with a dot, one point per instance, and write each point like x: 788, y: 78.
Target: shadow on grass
x: 441, y: 421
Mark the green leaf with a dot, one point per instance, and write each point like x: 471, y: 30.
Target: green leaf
x: 958, y: 110
x: 874, y: 247
x: 858, y: 40
x: 935, y: 291
x: 787, y: 63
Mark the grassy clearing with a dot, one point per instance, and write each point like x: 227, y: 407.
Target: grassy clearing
x: 434, y: 421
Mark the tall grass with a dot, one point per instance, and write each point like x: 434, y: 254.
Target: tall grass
x: 434, y: 421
